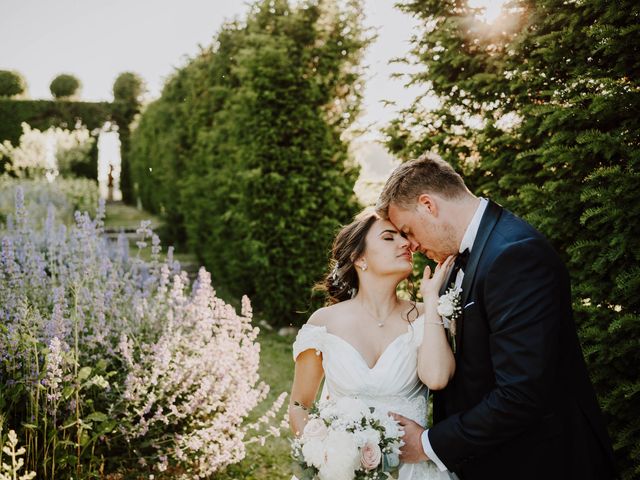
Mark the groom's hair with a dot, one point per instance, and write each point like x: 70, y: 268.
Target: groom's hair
x: 429, y: 173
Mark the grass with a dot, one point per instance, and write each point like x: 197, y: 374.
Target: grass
x: 120, y: 215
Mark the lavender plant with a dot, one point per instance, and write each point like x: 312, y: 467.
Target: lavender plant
x: 109, y: 362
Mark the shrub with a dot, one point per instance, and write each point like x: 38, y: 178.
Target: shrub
x: 110, y: 363
x: 553, y: 97
x: 43, y: 114
x: 128, y: 87
x: 50, y: 153
x: 244, y: 152
x: 11, y: 83
x: 64, y: 86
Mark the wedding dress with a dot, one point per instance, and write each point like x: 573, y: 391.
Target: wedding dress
x: 391, y: 384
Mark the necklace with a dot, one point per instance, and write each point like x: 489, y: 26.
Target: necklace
x: 378, y: 321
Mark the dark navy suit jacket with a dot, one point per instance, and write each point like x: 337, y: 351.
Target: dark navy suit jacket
x: 520, y: 405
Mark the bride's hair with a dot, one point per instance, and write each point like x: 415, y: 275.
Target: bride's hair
x: 341, y: 282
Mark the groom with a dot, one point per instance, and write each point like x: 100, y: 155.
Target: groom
x: 520, y: 405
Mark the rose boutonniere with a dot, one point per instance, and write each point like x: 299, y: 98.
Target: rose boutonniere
x: 449, y: 309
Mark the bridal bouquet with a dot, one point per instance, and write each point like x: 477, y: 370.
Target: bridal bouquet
x: 345, y: 440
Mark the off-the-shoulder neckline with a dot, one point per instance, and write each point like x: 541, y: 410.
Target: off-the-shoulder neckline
x: 324, y: 327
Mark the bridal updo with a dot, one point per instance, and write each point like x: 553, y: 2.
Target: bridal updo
x: 341, y: 283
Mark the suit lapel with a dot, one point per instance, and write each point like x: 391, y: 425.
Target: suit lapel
x: 488, y: 222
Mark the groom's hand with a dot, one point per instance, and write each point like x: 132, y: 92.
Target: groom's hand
x: 412, y: 451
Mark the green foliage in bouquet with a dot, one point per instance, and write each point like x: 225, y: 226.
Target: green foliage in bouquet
x: 244, y: 153
x: 539, y: 112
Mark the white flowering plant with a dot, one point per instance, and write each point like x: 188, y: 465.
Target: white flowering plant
x: 10, y: 470
x: 344, y: 440
x: 48, y: 153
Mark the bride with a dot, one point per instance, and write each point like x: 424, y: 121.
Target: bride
x: 368, y: 343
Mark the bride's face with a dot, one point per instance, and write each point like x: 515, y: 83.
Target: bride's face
x: 387, y: 251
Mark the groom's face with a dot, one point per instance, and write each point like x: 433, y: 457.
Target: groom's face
x: 427, y: 232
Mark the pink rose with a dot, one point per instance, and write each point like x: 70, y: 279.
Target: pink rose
x: 370, y: 456
x: 315, y: 429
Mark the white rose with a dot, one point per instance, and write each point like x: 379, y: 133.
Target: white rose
x: 315, y: 429
x: 342, y: 457
x: 314, y: 453
x: 445, y: 309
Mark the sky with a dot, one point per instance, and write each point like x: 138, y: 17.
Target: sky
x: 97, y: 40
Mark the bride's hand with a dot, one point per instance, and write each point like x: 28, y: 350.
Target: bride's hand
x: 431, y: 285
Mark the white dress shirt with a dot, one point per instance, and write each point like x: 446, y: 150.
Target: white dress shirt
x: 467, y: 243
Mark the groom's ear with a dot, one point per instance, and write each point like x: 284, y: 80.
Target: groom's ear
x: 428, y: 202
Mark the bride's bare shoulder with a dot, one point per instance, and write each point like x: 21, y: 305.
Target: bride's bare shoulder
x: 324, y: 316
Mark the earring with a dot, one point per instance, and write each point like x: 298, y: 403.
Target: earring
x: 363, y: 267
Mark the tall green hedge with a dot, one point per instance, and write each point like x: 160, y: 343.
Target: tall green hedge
x: 243, y: 153
x: 566, y: 75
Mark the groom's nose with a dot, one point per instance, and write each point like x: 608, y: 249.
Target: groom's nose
x: 413, y: 245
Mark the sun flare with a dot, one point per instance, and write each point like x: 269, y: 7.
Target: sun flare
x: 491, y: 9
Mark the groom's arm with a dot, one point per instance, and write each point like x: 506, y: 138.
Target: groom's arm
x: 525, y: 295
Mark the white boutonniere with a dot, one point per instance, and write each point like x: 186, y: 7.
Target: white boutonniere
x: 450, y: 310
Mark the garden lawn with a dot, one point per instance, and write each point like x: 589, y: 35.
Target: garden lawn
x: 120, y: 215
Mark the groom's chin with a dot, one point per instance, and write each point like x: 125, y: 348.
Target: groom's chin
x: 431, y: 255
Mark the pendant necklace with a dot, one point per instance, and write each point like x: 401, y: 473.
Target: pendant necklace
x: 378, y: 321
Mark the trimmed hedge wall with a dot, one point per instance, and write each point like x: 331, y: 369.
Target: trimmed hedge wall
x: 42, y: 114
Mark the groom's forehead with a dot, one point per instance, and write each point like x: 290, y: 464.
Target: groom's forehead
x: 399, y: 217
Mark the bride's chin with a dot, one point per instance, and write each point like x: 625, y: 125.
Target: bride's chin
x: 406, y: 272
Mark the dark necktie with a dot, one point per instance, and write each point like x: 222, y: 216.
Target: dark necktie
x: 458, y: 264
x: 461, y: 261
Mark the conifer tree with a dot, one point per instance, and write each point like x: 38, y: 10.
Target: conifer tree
x: 539, y: 112
x: 245, y: 153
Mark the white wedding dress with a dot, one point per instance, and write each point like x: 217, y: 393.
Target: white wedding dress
x: 392, y: 384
